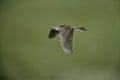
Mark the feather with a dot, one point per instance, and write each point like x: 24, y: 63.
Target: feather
x: 67, y: 43
x: 52, y: 33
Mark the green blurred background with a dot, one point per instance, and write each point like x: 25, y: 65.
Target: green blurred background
x: 26, y: 53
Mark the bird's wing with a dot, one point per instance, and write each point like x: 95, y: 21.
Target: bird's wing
x: 52, y: 33
x: 67, y: 43
x: 80, y: 28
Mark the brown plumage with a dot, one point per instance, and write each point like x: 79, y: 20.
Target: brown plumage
x: 66, y: 34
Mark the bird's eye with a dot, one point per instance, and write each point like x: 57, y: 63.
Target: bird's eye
x: 54, y: 27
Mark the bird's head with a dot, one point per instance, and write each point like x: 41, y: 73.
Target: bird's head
x: 60, y: 27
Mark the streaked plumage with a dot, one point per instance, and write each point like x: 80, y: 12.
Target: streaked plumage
x: 66, y: 34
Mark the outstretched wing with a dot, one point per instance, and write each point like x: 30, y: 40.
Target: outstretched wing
x: 80, y: 28
x: 52, y: 33
x: 67, y: 42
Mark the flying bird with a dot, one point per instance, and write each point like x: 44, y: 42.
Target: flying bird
x: 66, y: 35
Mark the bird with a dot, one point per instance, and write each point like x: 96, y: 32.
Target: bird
x: 66, y: 35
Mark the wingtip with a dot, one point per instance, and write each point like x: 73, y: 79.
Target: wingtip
x: 80, y: 28
x: 49, y: 37
x: 52, y: 33
x: 70, y: 54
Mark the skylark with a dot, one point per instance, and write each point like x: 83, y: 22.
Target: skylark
x: 66, y: 35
